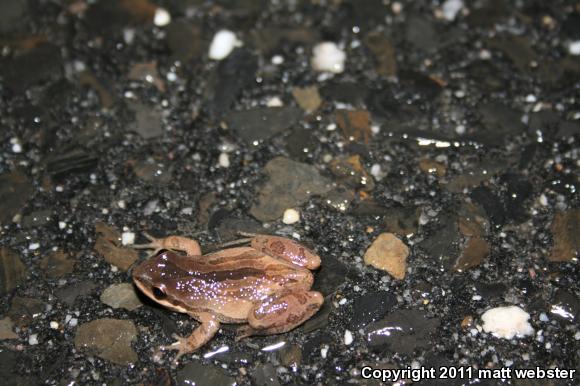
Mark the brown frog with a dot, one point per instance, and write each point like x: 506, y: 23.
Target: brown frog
x: 265, y: 285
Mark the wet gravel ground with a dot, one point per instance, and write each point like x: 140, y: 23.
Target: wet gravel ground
x: 453, y: 127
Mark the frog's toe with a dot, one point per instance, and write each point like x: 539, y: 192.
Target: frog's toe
x: 244, y: 332
x: 180, y: 345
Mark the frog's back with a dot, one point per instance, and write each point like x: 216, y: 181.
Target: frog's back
x: 232, y: 280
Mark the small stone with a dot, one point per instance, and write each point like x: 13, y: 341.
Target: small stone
x: 7, y: 329
x: 574, y: 47
x: 327, y: 57
x: 224, y: 160
x: 348, y: 338
x: 291, y: 216
x: 371, y: 307
x: 12, y: 270
x: 350, y: 171
x: 307, y: 98
x: 355, y: 124
x: 33, y: 339
x: 109, y: 339
x: 566, y: 236
x: 388, y: 253
x: 383, y: 51
x: 69, y: 294
x: 290, y: 355
x: 54, y: 325
x: 161, y: 17
x: 15, y: 189
x: 23, y: 310
x: 451, y: 8
x: 121, y: 296
x: 265, y: 375
x: 476, y: 250
x: 128, y: 238
x: 432, y: 167
x: 261, y: 123
x: 223, y: 43
x: 507, y: 322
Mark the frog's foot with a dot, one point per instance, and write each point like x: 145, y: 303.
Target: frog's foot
x: 172, y: 243
x: 154, y: 244
x: 181, y: 344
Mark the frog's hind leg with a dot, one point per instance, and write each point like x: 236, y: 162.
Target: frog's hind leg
x: 286, y: 249
x: 281, y: 314
x: 173, y: 243
x: 201, y: 335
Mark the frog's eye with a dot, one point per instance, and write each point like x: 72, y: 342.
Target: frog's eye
x: 159, y: 292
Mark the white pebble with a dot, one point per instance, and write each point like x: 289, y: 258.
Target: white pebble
x: 377, y: 172
x: 327, y: 57
x: 291, y: 216
x: 543, y: 200
x: 507, y: 322
x: 223, y: 44
x: 331, y: 127
x: 33, y: 339
x: 73, y: 322
x: 277, y: 59
x: 348, y: 338
x: 531, y: 98
x: 324, y: 351
x: 460, y: 129
x: 451, y: 8
x: 54, y: 325
x: 61, y: 225
x: 574, y: 48
x: 162, y: 17
x: 16, y: 148
x: 34, y: 246
x: 224, y: 160
x: 274, y: 101
x: 128, y: 238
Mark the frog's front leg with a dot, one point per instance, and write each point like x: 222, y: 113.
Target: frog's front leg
x: 280, y: 314
x: 286, y: 249
x: 201, y: 335
x: 173, y: 243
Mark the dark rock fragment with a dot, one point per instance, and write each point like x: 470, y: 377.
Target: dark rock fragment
x: 566, y: 236
x: 109, y: 339
x: 57, y: 264
x: 261, y: 123
x: 23, y: 310
x: 371, y: 307
x: 15, y: 190
x: 402, y: 331
x: 12, y: 270
x: 70, y: 293
x: 265, y: 375
x: 196, y: 373
x: 289, y: 185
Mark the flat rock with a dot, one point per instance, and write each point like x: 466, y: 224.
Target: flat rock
x: 196, y: 373
x: 289, y: 185
x: 148, y: 123
x: 7, y: 329
x: 12, y: 270
x: 36, y: 219
x: 109, y: 339
x: 70, y: 293
x: 388, y: 253
x: 349, y: 171
x: 475, y: 251
x: 261, y: 123
x: 57, y: 264
x: 354, y: 124
x: 15, y: 190
x: 108, y: 245
x: 409, y: 330
x: 121, y: 295
x: 566, y: 237
x: 371, y: 307
x: 383, y: 50
x: 265, y: 375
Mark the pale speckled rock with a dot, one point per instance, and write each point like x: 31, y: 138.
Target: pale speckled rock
x: 7, y: 329
x: 121, y: 295
x: 507, y: 322
x: 388, y: 253
x: 109, y: 339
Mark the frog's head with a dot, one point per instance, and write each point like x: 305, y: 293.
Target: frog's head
x: 157, y: 277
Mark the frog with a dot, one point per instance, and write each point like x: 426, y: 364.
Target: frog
x: 262, y: 282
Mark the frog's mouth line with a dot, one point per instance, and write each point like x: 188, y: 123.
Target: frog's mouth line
x: 143, y: 287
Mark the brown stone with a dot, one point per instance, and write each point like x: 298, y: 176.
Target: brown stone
x: 355, y: 124
x: 383, y: 51
x: 12, y: 270
x: 476, y: 250
x: 351, y: 172
x: 432, y: 167
x: 7, y: 329
x: 565, y: 229
x: 109, y: 339
x: 108, y: 245
x: 307, y: 98
x: 388, y: 253
x: 57, y: 264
